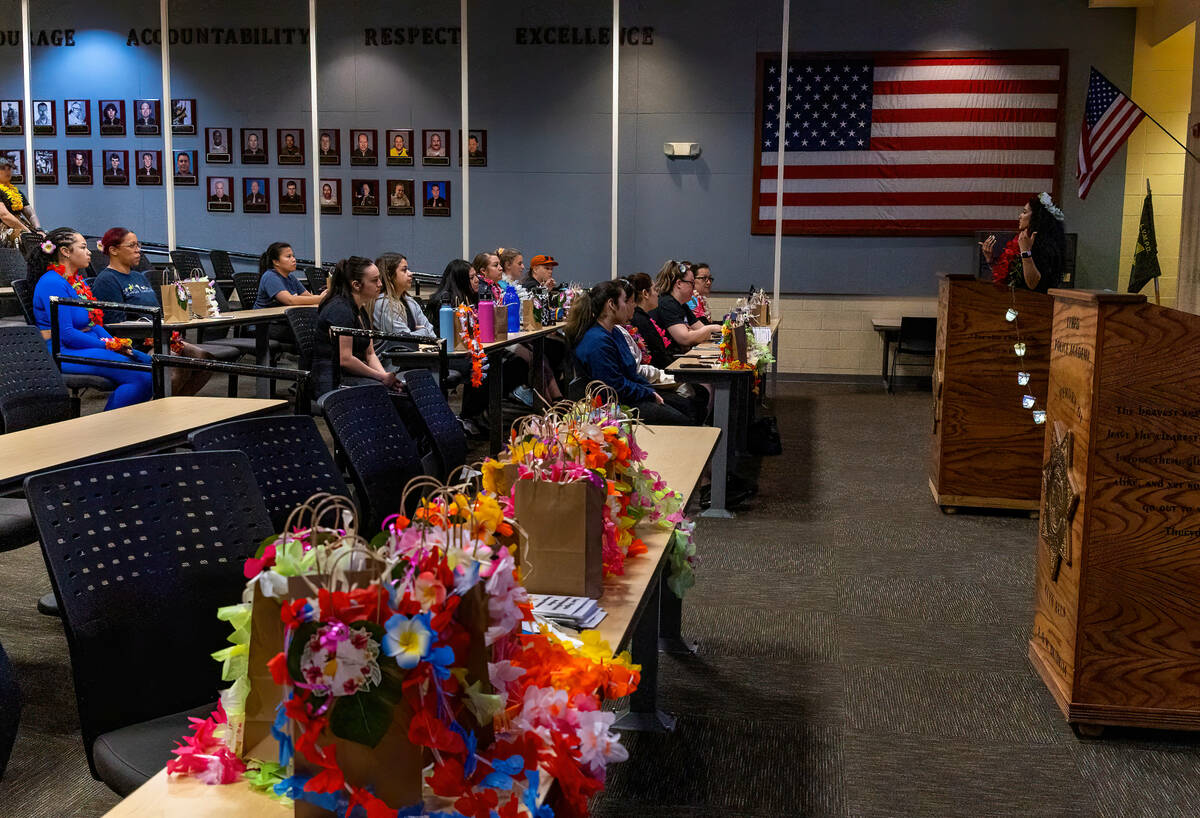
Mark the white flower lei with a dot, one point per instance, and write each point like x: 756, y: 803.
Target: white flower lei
x: 1048, y: 203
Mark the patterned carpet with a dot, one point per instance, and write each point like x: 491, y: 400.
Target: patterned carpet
x: 861, y: 655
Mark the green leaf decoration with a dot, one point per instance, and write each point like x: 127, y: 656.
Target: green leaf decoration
x: 363, y: 718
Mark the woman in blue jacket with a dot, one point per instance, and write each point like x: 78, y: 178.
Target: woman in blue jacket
x: 604, y: 357
x: 56, y: 269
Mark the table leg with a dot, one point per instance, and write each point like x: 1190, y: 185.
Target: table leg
x: 720, y: 458
x: 643, y: 713
x: 496, y: 438
x: 670, y: 623
x: 262, y: 357
x: 887, y: 348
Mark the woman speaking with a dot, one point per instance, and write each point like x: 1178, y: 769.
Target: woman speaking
x: 1034, y: 258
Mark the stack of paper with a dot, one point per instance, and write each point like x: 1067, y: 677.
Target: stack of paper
x: 578, y: 612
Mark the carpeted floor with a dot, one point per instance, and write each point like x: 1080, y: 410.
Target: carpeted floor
x: 861, y: 655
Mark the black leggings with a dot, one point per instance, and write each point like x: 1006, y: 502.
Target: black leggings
x: 662, y: 414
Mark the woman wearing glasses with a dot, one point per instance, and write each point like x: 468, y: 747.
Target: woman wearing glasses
x: 676, y: 283
x: 704, y: 281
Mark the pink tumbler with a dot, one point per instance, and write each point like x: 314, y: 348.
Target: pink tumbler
x: 487, y: 322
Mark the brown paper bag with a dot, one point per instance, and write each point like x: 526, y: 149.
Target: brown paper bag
x: 198, y: 298
x: 739, y: 344
x: 266, y: 640
x: 173, y: 311
x: 459, y: 344
x: 565, y: 527
x: 500, y: 321
x: 527, y: 315
x: 473, y: 615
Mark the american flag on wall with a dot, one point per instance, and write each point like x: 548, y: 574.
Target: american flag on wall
x: 903, y: 143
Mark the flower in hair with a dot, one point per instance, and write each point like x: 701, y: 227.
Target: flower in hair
x: 1048, y: 203
x: 48, y: 247
x: 100, y: 245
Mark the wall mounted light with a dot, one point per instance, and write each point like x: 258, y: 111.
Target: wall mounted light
x: 681, y: 150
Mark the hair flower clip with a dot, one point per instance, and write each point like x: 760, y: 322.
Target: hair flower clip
x: 100, y: 245
x: 48, y: 247
x: 1048, y: 203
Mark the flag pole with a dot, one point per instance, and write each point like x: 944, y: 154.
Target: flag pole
x: 1172, y: 136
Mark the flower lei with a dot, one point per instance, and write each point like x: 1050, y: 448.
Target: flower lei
x: 641, y: 342
x: 1009, y: 263
x: 469, y: 333
x: 728, y: 357
x: 81, y: 288
x: 661, y: 334
x: 14, y: 196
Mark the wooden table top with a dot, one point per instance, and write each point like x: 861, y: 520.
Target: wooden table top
x: 677, y: 453
x: 7, y: 291
x: 225, y: 319
x: 131, y: 429
x: 885, y: 324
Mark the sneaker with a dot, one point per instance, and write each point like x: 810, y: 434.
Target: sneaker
x: 523, y: 395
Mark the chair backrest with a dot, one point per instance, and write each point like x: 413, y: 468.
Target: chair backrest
x: 382, y: 455
x: 445, y: 432
x: 32, y: 391
x: 246, y: 285
x: 12, y: 265
x: 187, y: 262
x: 24, y: 292
x: 303, y: 323
x: 917, y: 329
x: 221, y: 264
x: 316, y: 277
x: 28, y: 240
x: 141, y: 552
x: 155, y: 276
x: 290, y: 460
x: 98, y: 263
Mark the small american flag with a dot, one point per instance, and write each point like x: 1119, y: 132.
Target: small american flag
x: 1108, y: 119
x: 907, y: 144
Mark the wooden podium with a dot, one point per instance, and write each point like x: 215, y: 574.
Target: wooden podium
x: 1116, y: 632
x: 986, y: 450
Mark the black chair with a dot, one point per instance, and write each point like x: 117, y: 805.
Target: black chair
x: 381, y: 454
x: 446, y: 435
x: 918, y: 338
x: 155, y: 276
x: 28, y: 240
x: 141, y: 552
x: 303, y: 323
x: 187, y: 262
x: 32, y: 391
x: 290, y: 460
x: 12, y: 265
x: 246, y: 285
x: 222, y: 271
x: 10, y: 709
x: 23, y: 290
x: 316, y: 278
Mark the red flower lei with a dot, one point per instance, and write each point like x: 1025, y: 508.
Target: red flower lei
x: 469, y: 332
x: 82, y: 290
x: 661, y: 334
x: 641, y: 342
x: 1002, y: 268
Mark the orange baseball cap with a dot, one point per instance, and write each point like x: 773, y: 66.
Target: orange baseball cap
x: 543, y: 261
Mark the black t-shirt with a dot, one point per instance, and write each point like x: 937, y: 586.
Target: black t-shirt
x: 669, y: 313
x: 654, y: 342
x: 338, y: 311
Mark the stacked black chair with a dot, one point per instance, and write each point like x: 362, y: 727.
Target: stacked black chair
x: 918, y: 338
x: 12, y: 265
x: 28, y: 240
x: 23, y: 290
x: 445, y: 432
x: 187, y: 262
x: 290, y: 460
x: 141, y: 552
x: 32, y: 391
x: 98, y: 263
x: 10, y: 709
x: 316, y: 277
x: 381, y: 454
x: 246, y: 285
x: 222, y: 271
x: 303, y: 323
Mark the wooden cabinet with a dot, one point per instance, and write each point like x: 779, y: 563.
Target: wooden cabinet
x: 986, y: 449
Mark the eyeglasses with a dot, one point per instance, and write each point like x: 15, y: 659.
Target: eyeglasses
x: 689, y: 281
x: 709, y: 279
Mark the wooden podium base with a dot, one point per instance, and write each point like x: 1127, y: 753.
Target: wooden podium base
x: 952, y: 502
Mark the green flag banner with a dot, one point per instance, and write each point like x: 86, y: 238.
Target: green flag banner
x: 1145, y: 255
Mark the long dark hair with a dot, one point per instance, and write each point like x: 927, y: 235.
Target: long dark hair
x: 341, y: 279
x: 267, y: 260
x: 39, y: 260
x: 641, y: 283
x: 1050, y: 247
x: 587, y: 308
x: 456, y: 280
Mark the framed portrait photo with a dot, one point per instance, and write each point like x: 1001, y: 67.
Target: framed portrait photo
x: 112, y: 117
x: 363, y: 147
x: 400, y: 197
x: 79, y: 167
x: 184, y: 167
x: 329, y: 197
x: 149, y: 167
x: 217, y: 142
x: 12, y: 117
x: 220, y: 194
x: 364, y: 197
x: 45, y: 167
x: 77, y: 114
x: 436, y: 198
x: 399, y: 147
x: 17, y: 157
x: 116, y: 167
x: 292, y: 198
x: 435, y: 147
x: 147, y: 117
x: 290, y: 146
x: 254, y: 146
x: 256, y: 195
x: 45, y: 118
x: 476, y: 150
x: 329, y: 149
x: 183, y: 116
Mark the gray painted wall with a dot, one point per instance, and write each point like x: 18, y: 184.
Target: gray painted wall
x: 547, y: 110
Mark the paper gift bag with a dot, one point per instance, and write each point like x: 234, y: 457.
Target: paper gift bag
x: 460, y: 345
x: 266, y: 640
x: 198, y: 302
x: 527, y: 315
x: 173, y: 311
x: 739, y: 344
x: 760, y: 315
x: 564, y: 524
x: 501, y: 320
x: 473, y: 615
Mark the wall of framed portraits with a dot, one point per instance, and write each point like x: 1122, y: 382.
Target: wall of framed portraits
x: 540, y: 116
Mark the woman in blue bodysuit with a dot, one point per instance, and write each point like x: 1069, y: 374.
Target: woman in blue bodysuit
x: 55, y: 268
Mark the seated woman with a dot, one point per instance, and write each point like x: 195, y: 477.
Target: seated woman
x: 459, y: 286
x: 604, y: 357
x: 278, y: 286
x: 699, y: 300
x: 353, y: 287
x: 675, y: 284
x: 55, y: 267
x: 645, y: 300
x: 122, y: 282
x: 396, y: 311
x: 16, y: 214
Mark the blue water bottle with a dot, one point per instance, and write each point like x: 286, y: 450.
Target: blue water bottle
x: 446, y: 321
x: 512, y: 300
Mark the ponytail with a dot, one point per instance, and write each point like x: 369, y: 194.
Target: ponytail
x: 267, y: 260
x: 39, y: 260
x: 343, y: 275
x: 587, y: 308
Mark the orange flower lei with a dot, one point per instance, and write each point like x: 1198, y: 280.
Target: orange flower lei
x: 82, y: 290
x: 469, y: 332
